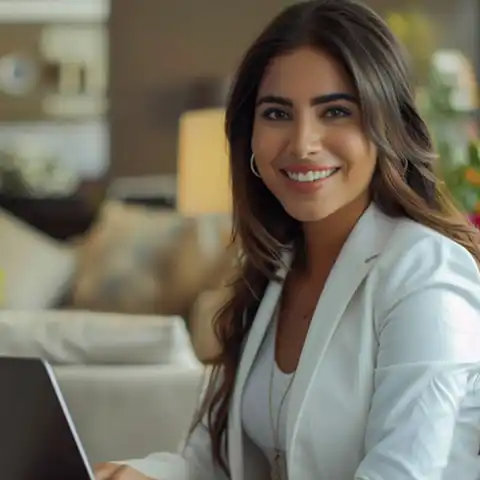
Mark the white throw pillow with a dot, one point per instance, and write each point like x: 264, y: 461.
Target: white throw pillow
x: 35, y: 270
x: 67, y: 337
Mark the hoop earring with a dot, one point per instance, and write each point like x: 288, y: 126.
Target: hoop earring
x: 253, y: 168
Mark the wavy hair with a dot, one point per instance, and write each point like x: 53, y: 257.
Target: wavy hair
x: 404, y: 184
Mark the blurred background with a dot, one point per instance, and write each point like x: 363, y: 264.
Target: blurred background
x: 92, y: 91
x: 114, y: 191
x: 111, y: 136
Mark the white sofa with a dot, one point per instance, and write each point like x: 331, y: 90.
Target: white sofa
x: 131, y: 382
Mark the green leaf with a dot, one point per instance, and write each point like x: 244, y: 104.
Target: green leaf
x: 474, y: 154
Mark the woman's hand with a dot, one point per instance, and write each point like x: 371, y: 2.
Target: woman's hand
x: 113, y: 471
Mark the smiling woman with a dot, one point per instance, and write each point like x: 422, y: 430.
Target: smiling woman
x: 308, y: 136
x: 349, y: 345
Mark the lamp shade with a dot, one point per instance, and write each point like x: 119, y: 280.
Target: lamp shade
x: 203, y: 171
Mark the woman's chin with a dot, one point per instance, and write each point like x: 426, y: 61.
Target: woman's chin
x: 307, y: 214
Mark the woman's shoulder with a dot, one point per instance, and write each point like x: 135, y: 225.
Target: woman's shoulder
x: 413, y: 242
x: 426, y: 275
x: 416, y: 254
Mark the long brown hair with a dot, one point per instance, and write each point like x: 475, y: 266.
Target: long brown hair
x: 404, y: 184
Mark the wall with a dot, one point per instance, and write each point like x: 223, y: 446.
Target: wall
x: 158, y: 47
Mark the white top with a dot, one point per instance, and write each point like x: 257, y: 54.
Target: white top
x: 257, y: 413
x: 388, y: 386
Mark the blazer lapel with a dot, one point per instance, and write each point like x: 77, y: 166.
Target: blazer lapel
x: 352, y: 266
x: 257, y: 332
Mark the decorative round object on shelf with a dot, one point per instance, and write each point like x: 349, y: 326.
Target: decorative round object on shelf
x: 18, y: 74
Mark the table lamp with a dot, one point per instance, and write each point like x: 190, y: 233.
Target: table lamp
x: 203, y: 172
x: 203, y: 191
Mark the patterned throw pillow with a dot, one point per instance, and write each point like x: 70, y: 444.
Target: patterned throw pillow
x: 145, y: 260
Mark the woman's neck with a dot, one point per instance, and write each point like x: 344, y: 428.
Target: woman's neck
x: 324, y: 239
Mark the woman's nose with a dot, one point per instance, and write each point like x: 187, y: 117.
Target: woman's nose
x: 306, y: 138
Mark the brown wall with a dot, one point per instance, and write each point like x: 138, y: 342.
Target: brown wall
x: 158, y: 47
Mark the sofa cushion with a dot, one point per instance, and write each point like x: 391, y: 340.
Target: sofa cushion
x: 144, y: 260
x: 82, y: 337
x: 35, y: 270
x: 119, y: 259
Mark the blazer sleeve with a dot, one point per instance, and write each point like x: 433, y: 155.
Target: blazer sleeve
x: 193, y: 461
x: 424, y: 420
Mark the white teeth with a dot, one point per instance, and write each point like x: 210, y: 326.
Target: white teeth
x: 311, y: 176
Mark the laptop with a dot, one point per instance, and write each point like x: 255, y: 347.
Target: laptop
x: 38, y: 440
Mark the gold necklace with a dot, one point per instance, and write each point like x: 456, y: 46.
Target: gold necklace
x: 276, y: 467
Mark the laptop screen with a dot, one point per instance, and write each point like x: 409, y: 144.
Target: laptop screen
x: 37, y: 438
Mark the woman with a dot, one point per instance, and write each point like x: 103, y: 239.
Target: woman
x: 351, y: 343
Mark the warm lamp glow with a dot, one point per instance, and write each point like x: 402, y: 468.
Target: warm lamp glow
x: 203, y: 166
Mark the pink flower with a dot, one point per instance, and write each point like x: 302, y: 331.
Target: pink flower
x: 475, y: 219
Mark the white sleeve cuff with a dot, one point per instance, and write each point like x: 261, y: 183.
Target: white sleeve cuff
x: 160, y: 466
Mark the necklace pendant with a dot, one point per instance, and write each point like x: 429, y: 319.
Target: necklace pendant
x: 276, y: 471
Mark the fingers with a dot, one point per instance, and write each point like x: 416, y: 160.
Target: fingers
x: 111, y: 471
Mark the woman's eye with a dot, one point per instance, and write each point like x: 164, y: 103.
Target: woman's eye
x: 337, y: 112
x: 275, y: 114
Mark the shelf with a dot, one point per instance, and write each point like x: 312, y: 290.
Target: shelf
x: 45, y: 11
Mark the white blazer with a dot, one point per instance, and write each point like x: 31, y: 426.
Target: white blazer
x: 388, y: 383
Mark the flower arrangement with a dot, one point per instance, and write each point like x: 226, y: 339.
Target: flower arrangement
x: 464, y: 182
x: 448, y: 100
x: 449, y: 105
x: 462, y: 178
